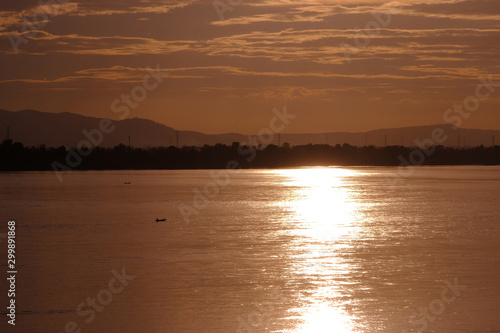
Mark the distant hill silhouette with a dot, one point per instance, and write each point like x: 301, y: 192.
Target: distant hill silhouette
x: 34, y: 128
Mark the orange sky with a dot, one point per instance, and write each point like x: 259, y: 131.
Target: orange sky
x: 225, y: 73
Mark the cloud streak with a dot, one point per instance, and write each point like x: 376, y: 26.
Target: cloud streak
x: 266, y: 50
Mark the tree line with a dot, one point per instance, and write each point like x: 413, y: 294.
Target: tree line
x: 14, y: 156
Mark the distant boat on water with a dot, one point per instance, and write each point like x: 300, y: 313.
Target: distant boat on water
x: 160, y: 220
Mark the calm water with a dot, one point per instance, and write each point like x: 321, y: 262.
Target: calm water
x: 300, y: 250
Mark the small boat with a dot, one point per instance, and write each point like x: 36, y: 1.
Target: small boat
x: 160, y: 220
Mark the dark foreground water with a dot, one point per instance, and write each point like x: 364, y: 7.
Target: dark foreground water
x: 300, y: 250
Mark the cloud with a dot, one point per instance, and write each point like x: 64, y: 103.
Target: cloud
x: 265, y: 49
x: 14, y: 19
x: 296, y: 92
x: 115, y: 73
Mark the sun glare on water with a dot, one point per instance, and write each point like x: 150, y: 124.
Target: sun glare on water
x: 323, y: 202
x: 324, y: 318
x: 323, y: 220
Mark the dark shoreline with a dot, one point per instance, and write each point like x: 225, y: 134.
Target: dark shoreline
x: 17, y: 157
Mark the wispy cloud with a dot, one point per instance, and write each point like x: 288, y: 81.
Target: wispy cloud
x: 264, y: 50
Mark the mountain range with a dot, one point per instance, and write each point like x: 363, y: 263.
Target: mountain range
x: 33, y: 128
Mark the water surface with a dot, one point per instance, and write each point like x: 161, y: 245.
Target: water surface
x: 295, y: 250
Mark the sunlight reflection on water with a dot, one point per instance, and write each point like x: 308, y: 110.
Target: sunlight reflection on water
x: 326, y: 219
x: 323, y: 205
x: 303, y: 250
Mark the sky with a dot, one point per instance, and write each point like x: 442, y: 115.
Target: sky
x: 223, y: 66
